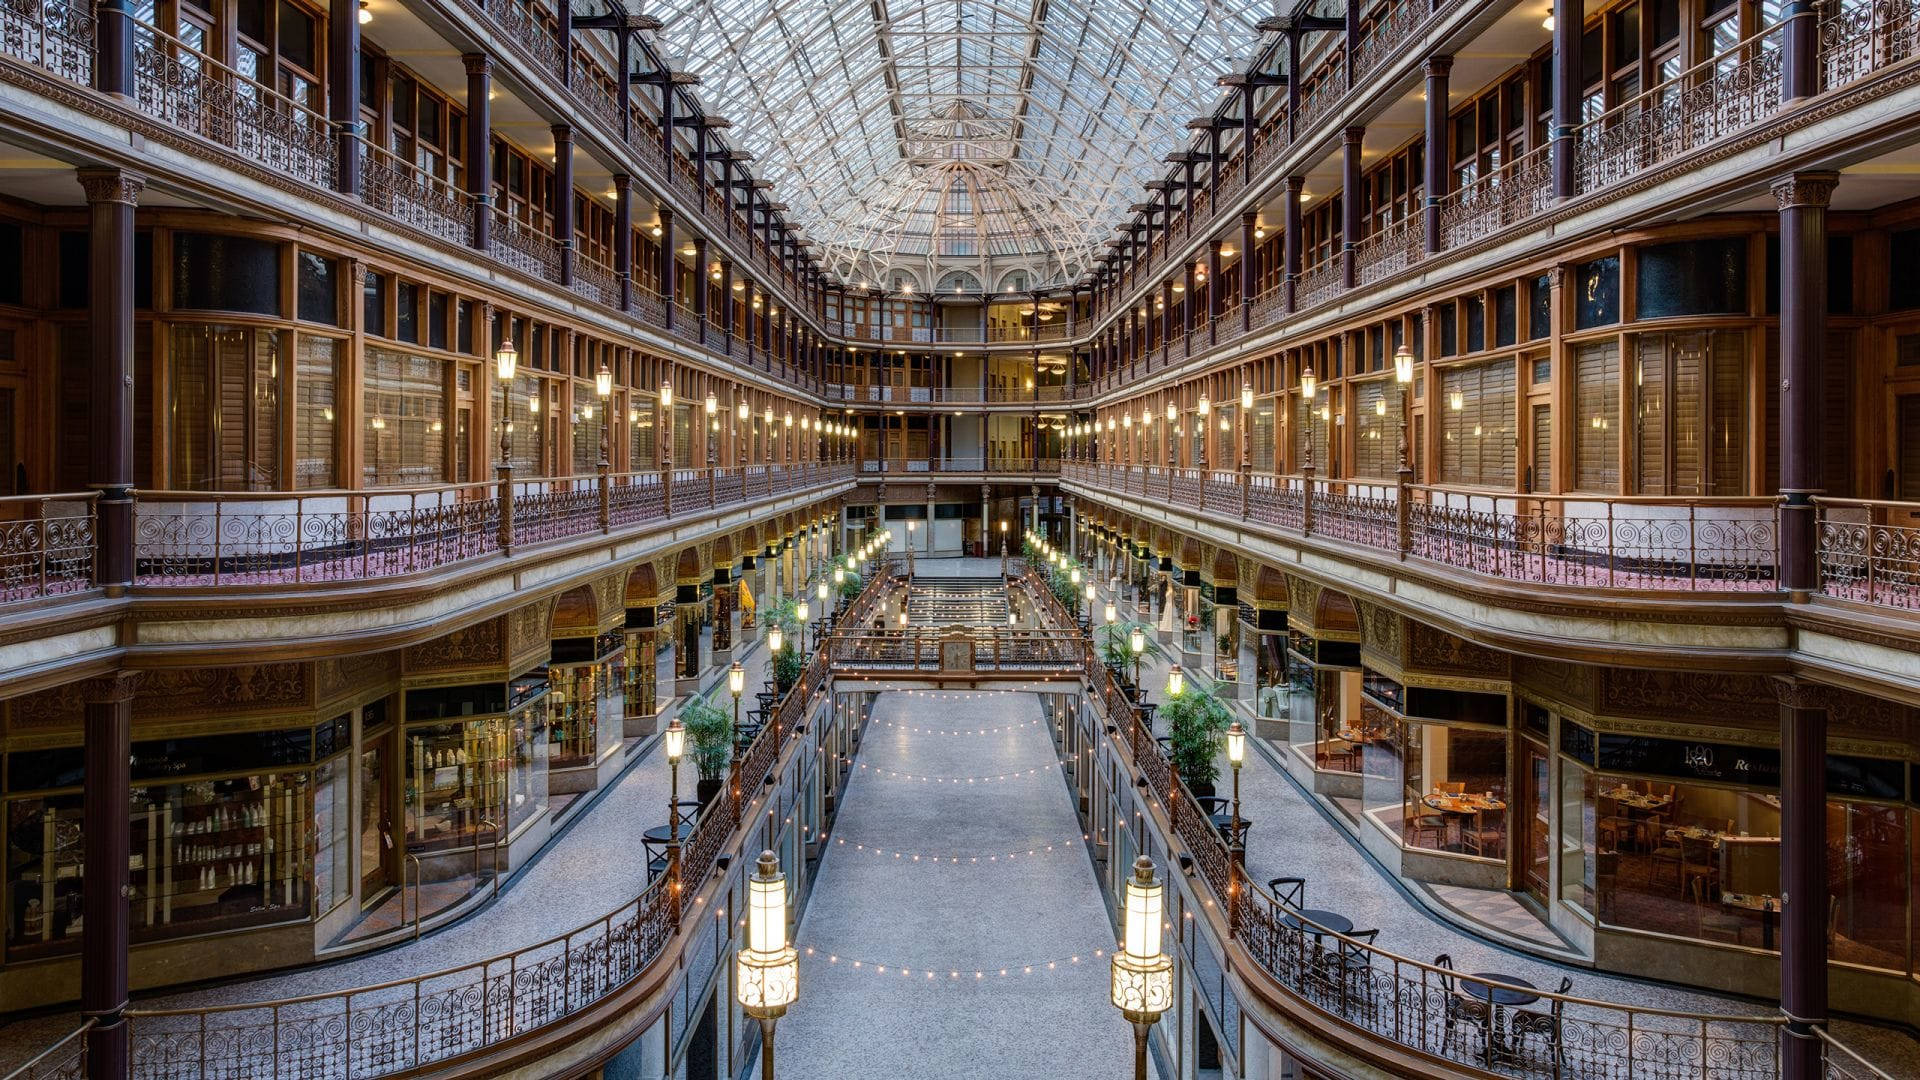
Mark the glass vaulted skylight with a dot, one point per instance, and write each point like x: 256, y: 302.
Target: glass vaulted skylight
x: 957, y: 143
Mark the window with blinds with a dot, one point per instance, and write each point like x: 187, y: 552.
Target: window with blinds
x: 584, y: 424
x: 524, y: 424
x: 683, y: 434
x: 1477, y: 436
x: 405, y: 424
x: 1542, y: 478
x: 224, y: 400
x: 1596, y: 408
x: 1263, y: 437
x: 1690, y: 412
x: 1907, y: 447
x: 315, y: 426
x: 1376, y: 438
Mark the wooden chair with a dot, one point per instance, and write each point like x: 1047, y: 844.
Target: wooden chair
x: 1530, y: 1026
x: 1452, y: 787
x: 1422, y: 820
x: 1699, y: 859
x: 1711, y: 916
x: 1461, y: 1007
x: 1666, y: 851
x: 1486, y: 836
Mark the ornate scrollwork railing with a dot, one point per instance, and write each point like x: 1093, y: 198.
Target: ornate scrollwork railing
x: 1390, y: 250
x: 53, y: 35
x: 1498, y: 200
x: 413, y: 196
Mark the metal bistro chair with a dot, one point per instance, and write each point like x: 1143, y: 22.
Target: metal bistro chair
x: 1461, y: 1006
x: 1291, y: 891
x: 1346, y: 966
x: 1532, y: 1026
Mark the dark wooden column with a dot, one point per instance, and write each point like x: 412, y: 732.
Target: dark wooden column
x: 669, y: 264
x: 343, y: 91
x: 1350, y: 199
x: 111, y: 195
x: 1803, y: 199
x: 563, y: 199
x: 1248, y: 267
x: 479, y: 170
x: 623, y: 237
x: 105, y: 826
x: 1803, y: 876
x: 1290, y: 240
x: 1439, y: 155
x: 1569, y: 19
x: 726, y: 296
x: 1800, y: 60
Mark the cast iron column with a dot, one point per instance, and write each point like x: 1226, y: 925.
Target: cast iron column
x: 563, y: 199
x: 479, y: 170
x: 1803, y: 877
x: 1569, y: 19
x: 1290, y: 242
x: 1802, y: 198
x: 669, y: 265
x: 111, y: 195
x: 105, y: 825
x: 1350, y: 182
x: 1248, y: 280
x: 1439, y: 156
x: 343, y: 90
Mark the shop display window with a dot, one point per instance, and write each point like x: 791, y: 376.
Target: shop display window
x: 586, y: 705
x: 1324, y: 706
x: 475, y: 760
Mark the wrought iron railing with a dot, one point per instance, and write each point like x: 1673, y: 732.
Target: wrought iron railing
x: 46, y: 545
x: 53, y: 35
x: 64, y: 1060
x: 1711, y: 100
x: 1600, y: 541
x: 1390, y: 250
x: 1318, y: 284
x: 412, y: 196
x: 193, y: 538
x: 1869, y: 551
x: 1498, y: 200
x: 1860, y: 37
x: 525, y: 248
x: 189, y: 90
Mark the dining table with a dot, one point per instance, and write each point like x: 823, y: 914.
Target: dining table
x: 1767, y: 905
x: 1516, y: 991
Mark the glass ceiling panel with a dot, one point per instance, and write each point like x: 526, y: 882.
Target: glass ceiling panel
x: 916, y: 139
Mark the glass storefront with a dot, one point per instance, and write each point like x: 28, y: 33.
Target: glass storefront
x: 1324, y: 704
x: 1435, y: 767
x: 1683, y: 838
x: 587, y: 677
x: 475, y: 760
x: 227, y: 832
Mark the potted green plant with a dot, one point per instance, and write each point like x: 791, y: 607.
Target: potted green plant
x: 786, y: 664
x: 1195, y: 721
x: 710, y: 729
x: 1116, y: 650
x: 849, y: 588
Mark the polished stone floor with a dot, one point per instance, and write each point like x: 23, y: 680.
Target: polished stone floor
x: 917, y: 965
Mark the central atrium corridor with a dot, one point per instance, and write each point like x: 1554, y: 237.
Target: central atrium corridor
x: 955, y: 907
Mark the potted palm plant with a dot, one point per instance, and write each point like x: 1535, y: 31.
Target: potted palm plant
x: 1116, y: 651
x: 710, y: 729
x: 1195, y: 720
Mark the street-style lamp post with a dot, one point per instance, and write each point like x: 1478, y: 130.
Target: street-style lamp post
x: 1236, y: 756
x: 736, y: 685
x: 1176, y: 682
x: 1003, y: 549
x: 911, y: 527
x: 1137, y: 643
x: 505, y: 360
x: 767, y: 971
x: 1309, y: 387
x: 1142, y: 985
x: 676, y: 740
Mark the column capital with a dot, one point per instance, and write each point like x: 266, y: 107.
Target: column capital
x: 1805, y: 189
x: 1352, y: 136
x: 1296, y: 184
x: 1795, y: 693
x: 111, y: 185
x: 477, y: 64
x: 111, y: 687
x: 1438, y: 66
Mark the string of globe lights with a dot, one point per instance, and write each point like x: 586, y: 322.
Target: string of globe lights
x: 995, y: 778
x: 1037, y: 851
x: 917, y: 730
x: 946, y: 975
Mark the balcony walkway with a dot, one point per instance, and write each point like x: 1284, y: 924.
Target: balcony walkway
x: 932, y: 939
x: 594, y: 865
x: 1294, y: 835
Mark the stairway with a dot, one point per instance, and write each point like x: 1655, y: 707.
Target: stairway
x: 968, y: 601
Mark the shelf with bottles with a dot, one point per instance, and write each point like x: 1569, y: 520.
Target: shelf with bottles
x: 586, y: 679
x: 229, y: 850
x: 457, y: 779
x: 44, y: 856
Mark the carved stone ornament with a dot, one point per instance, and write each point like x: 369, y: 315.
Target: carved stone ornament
x: 1806, y: 189
x: 111, y: 185
x: 480, y: 645
x: 1381, y: 632
x: 1696, y: 696
x: 355, y: 674
x: 174, y: 692
x: 1433, y: 649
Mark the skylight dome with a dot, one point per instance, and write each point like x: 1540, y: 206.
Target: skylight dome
x: 919, y: 140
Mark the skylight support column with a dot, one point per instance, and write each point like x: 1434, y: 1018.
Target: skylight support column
x: 623, y: 237
x: 479, y: 170
x: 1439, y: 157
x: 1290, y: 241
x: 1293, y: 82
x: 702, y: 284
x: 1248, y: 279
x: 669, y: 265
x: 563, y: 199
x: 1350, y: 200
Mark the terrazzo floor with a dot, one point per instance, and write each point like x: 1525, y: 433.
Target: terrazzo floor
x: 917, y: 965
